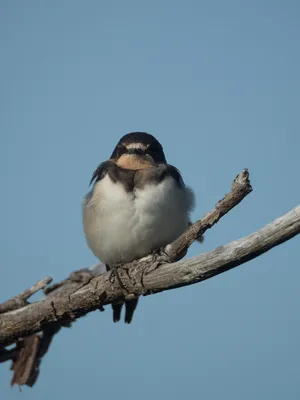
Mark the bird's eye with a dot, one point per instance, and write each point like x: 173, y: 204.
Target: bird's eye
x: 152, y: 149
x: 156, y: 152
x: 121, y: 150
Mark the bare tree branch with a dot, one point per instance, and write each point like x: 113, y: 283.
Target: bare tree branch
x: 33, y: 326
x: 57, y: 309
x: 239, y: 190
x: 224, y: 258
x: 21, y: 299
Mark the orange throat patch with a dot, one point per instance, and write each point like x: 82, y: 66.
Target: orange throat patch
x: 134, y: 162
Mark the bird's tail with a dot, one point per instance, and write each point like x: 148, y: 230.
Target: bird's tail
x: 130, y: 306
x: 117, y: 308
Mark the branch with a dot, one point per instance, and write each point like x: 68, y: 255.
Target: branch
x: 21, y: 299
x: 26, y: 356
x: 84, y: 292
x: 155, y: 277
x: 57, y: 308
x: 240, y: 188
x: 224, y: 258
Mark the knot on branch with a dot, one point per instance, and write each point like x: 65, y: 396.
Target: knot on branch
x: 130, y: 276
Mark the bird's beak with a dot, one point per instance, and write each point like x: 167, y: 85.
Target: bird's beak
x: 141, y: 154
x: 137, y: 152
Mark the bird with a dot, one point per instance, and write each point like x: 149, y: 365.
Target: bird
x: 137, y: 204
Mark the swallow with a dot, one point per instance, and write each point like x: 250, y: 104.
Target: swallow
x: 138, y: 203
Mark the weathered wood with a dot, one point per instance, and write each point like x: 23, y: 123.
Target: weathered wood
x: 33, y: 326
x: 226, y: 257
x: 147, y: 276
x: 21, y: 299
x: 240, y: 188
x: 66, y: 300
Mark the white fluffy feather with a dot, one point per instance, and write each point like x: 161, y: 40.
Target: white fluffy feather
x: 121, y: 226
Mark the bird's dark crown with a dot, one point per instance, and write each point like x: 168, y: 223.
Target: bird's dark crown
x: 145, y: 144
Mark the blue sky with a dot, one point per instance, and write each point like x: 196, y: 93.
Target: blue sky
x: 217, y: 82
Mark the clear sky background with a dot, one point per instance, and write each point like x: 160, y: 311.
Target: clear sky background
x: 217, y: 82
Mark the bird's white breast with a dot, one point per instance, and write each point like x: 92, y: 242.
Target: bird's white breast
x: 121, y: 226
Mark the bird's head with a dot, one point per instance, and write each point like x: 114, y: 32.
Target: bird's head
x: 138, y: 150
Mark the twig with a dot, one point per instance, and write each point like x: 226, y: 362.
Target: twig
x: 21, y: 299
x: 241, y: 187
x: 224, y: 258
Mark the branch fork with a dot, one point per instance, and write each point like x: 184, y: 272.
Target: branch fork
x: 32, y: 326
